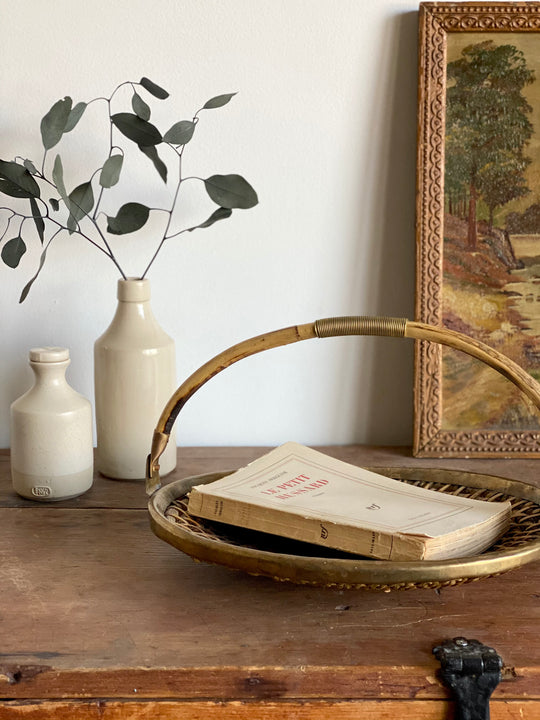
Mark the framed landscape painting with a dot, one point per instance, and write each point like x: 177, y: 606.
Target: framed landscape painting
x: 478, y: 224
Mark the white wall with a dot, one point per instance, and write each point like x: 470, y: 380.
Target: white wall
x: 323, y: 127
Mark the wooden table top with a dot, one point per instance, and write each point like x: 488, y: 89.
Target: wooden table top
x: 92, y: 604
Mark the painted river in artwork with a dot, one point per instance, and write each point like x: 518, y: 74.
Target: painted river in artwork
x: 525, y: 294
x: 505, y: 315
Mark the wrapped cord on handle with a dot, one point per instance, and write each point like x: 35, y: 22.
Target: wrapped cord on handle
x: 360, y: 325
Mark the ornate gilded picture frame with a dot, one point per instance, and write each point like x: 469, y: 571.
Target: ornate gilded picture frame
x: 478, y: 224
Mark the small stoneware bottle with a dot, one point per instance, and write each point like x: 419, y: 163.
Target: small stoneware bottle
x: 51, y: 433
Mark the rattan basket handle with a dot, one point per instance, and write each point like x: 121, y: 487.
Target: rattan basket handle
x: 329, y: 327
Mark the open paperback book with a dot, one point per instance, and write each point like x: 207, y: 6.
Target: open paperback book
x: 303, y: 494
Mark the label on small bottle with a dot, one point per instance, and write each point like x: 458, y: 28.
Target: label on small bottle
x: 41, y: 491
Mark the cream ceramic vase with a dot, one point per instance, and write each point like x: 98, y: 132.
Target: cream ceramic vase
x: 51, y: 433
x: 134, y: 377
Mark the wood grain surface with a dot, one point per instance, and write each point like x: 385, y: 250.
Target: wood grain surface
x: 164, y: 710
x: 94, y: 607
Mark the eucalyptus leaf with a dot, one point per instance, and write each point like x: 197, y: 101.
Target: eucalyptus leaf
x: 130, y: 217
x: 38, y: 219
x: 140, y: 108
x: 58, y: 178
x: 219, y: 214
x: 80, y: 203
x: 151, y: 152
x: 180, y: 133
x: 53, y: 202
x: 9, y: 188
x: 29, y: 284
x: 13, y: 251
x: 29, y: 165
x: 218, y: 101
x: 154, y: 89
x: 16, y: 181
x: 231, y: 191
x: 74, y: 116
x: 53, y: 124
x: 110, y: 172
x: 140, y: 131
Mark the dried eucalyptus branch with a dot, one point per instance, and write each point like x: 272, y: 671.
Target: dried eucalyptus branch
x: 21, y: 179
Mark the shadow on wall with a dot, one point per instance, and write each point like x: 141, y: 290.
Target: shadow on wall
x: 385, y: 405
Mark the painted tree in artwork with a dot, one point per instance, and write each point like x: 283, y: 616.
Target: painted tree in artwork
x: 503, y: 180
x: 487, y: 128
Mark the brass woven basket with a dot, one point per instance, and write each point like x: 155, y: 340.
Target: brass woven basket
x: 286, y: 560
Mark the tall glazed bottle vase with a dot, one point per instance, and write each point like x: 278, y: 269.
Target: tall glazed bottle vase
x: 134, y: 377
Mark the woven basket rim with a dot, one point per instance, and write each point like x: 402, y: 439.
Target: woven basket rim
x: 355, y: 572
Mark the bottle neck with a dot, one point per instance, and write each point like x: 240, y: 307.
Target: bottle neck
x: 133, y: 290
x: 50, y: 374
x: 133, y: 300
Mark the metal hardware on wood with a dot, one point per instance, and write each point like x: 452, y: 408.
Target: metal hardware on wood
x: 472, y: 671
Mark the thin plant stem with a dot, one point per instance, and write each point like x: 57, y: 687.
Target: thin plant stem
x: 170, y: 212
x: 110, y: 153
x: 111, y: 254
x: 108, y: 250
x: 43, y: 164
